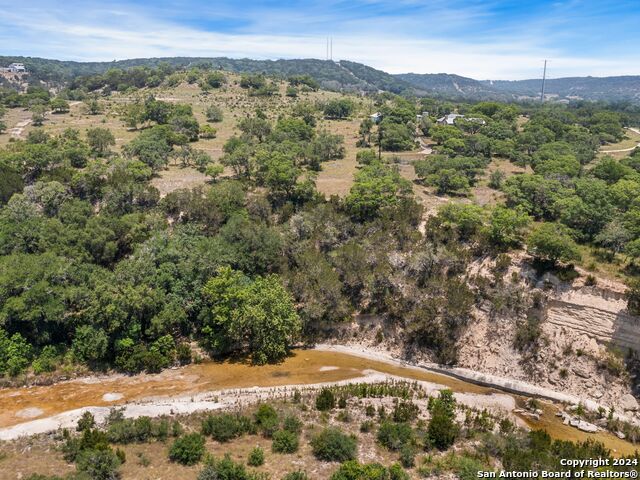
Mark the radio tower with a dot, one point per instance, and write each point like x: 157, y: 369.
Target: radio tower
x: 544, y: 78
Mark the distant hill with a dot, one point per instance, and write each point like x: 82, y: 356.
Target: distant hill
x: 452, y: 86
x: 625, y: 88
x: 353, y: 76
x: 342, y: 75
x: 588, y: 88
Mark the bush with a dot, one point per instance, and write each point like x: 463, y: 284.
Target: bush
x: 187, y: 450
x: 292, y: 424
x: 225, y: 469
x: 394, y: 436
x: 297, y: 475
x: 353, y: 470
x: 405, y: 412
x: 407, y: 456
x: 285, y: 441
x: 326, y: 400
x: 333, y: 445
x: 46, y: 361
x: 226, y: 426
x: 99, y: 464
x: 86, y: 422
x: 183, y: 353
x: 266, y: 419
x: 214, y: 114
x: 256, y: 457
x: 443, y: 430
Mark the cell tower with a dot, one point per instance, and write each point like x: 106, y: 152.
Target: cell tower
x: 544, y: 79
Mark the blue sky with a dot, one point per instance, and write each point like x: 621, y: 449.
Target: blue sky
x: 491, y: 39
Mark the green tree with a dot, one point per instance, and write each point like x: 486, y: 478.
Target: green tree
x: 90, y: 344
x: 443, y: 429
x: 214, y: 114
x: 188, y: 449
x: 257, y: 316
x: 507, y: 227
x: 376, y: 187
x: 59, y: 105
x: 100, y: 139
x: 339, y: 108
x: 332, y: 445
x: 552, y: 242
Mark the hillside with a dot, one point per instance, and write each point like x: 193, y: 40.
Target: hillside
x: 342, y: 75
x: 624, y: 88
x: 452, y: 86
x: 352, y: 76
x: 612, y: 89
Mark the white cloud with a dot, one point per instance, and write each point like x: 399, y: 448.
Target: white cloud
x: 388, y: 43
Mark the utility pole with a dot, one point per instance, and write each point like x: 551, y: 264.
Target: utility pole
x: 331, y: 48
x: 544, y: 78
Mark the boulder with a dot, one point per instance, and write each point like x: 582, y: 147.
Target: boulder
x: 629, y: 403
x: 581, y: 372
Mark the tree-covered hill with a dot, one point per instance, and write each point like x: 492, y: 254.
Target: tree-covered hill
x: 353, y: 76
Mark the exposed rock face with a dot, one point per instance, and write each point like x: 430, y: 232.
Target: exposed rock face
x: 598, y: 313
x: 629, y: 403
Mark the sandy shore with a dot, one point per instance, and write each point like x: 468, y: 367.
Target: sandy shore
x: 232, y: 399
x: 240, y: 397
x: 501, y: 383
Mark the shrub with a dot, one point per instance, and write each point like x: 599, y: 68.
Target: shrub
x: 405, y: 412
x: 188, y: 449
x: 256, y: 457
x: 443, y: 430
x: 214, y: 114
x: 292, y: 424
x: 226, y: 426
x: 353, y: 470
x: 394, y: 436
x: 86, y: 422
x: 285, y: 441
x: 183, y: 353
x: 46, y: 361
x: 266, y: 419
x: 99, y: 464
x: 333, y: 445
x: 326, y: 400
x: 297, y: 475
x: 225, y: 469
x: 367, y: 426
x: 407, y: 456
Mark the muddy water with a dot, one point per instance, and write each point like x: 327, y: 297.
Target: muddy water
x: 18, y: 405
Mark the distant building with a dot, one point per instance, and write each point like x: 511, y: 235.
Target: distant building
x: 15, y: 68
x: 452, y: 117
x: 376, y: 117
x: 419, y: 117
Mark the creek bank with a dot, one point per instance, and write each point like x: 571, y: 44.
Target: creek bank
x: 517, y: 387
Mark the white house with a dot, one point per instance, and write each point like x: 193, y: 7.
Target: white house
x: 376, y: 117
x: 452, y: 117
x: 16, y: 68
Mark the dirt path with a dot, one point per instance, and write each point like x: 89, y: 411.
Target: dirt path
x: 622, y: 150
x: 16, y: 132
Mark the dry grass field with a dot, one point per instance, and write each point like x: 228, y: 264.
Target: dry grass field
x: 149, y: 461
x: 336, y: 177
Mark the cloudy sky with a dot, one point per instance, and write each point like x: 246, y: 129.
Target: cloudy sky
x: 484, y: 39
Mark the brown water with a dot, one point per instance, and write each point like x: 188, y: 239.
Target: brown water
x: 18, y: 405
